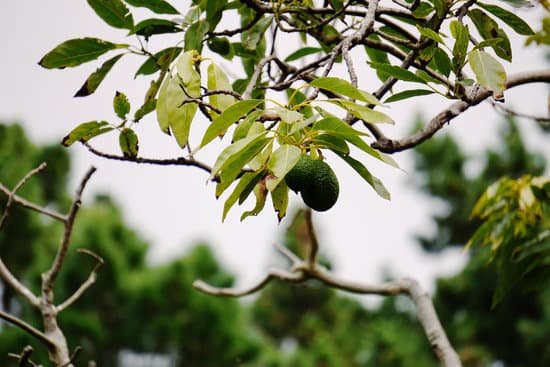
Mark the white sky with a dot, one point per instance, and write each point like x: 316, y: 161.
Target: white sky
x: 172, y: 207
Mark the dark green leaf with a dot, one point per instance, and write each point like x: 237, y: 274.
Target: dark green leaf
x: 86, y: 131
x: 156, y: 6
x: 279, y: 197
x: 113, y: 12
x: 220, y: 45
x: 228, y: 118
x: 249, y: 179
x: 75, y: 52
x: 152, y: 26
x: 462, y: 35
x: 302, y: 52
x: 515, y: 22
x: 442, y: 62
x: 378, y: 56
x: 376, y: 184
x: 159, y: 61
x: 332, y: 142
x: 252, y: 37
x: 214, y: 10
x: 408, y: 94
x: 121, y: 105
x: 194, y: 35
x: 430, y: 33
x: 128, y: 142
x: 95, y: 79
x: 397, y: 72
x: 489, y: 29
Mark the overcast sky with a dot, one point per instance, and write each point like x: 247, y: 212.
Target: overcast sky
x: 172, y: 207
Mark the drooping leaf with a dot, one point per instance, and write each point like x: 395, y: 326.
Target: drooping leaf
x: 261, y: 194
x: 94, y: 80
x: 121, y: 105
x: 442, y: 62
x: 345, y: 88
x: 335, y: 126
x: 489, y: 29
x: 279, y: 197
x: 302, y: 52
x: 333, y: 142
x: 228, y: 118
x: 85, y: 131
x: 515, y: 22
x: 231, y: 152
x: 159, y: 61
x: 113, y: 12
x: 217, y: 80
x: 75, y: 52
x: 156, y: 6
x: 146, y: 108
x: 128, y: 142
x: 289, y: 116
x: 251, y: 38
x: 363, y: 112
x: 430, y: 33
x: 248, y: 180
x: 243, y: 128
x: 194, y: 35
x: 214, y: 10
x: 397, y: 72
x: 149, y: 27
x: 489, y: 72
x: 408, y: 94
x: 374, y: 182
x: 460, y: 49
x: 280, y: 163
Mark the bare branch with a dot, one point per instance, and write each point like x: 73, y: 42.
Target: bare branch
x: 28, y: 328
x: 256, y: 76
x: 87, y: 284
x: 27, y: 204
x: 51, y: 275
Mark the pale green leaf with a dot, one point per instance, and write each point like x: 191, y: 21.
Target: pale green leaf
x: 85, y: 131
x: 489, y: 72
x: 217, y: 80
x: 128, y: 142
x: 280, y: 163
x: 279, y: 197
x: 261, y: 194
x: 363, y: 112
x: 244, y: 182
x: 345, y: 88
x: 121, y: 105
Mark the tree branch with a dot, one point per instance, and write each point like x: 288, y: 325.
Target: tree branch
x: 28, y: 328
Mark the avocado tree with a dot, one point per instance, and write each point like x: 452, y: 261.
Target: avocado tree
x: 290, y: 111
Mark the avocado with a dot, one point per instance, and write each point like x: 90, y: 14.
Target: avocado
x: 316, y: 182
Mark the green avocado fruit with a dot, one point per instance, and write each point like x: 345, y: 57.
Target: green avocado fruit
x: 316, y: 182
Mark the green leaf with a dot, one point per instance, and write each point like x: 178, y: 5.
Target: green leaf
x: 302, y: 52
x: 279, y: 197
x: 195, y: 35
x: 233, y: 164
x: 113, y: 12
x: 335, y: 126
x: 378, y: 56
x: 231, y: 152
x: 442, y: 62
x: 296, y: 97
x: 95, y: 79
x: 228, y: 118
x: 241, y: 190
x: 375, y: 183
x: 515, y: 22
x: 214, y: 10
x: 242, y: 129
x: 75, y: 52
x: 332, y: 142
x: 489, y: 29
x: 397, y: 72
x: 363, y: 112
x: 220, y: 45
x: 159, y: 61
x: 146, y: 108
x: 217, y: 80
x: 156, y: 6
x: 408, y: 94
x: 86, y: 131
x: 489, y: 72
x: 121, y: 105
x: 261, y: 194
x: 431, y: 34
x: 152, y: 26
x: 281, y: 161
x: 128, y: 142
x: 253, y: 36
x: 289, y: 116
x: 345, y: 88
x: 462, y: 35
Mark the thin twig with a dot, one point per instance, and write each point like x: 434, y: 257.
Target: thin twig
x: 28, y: 328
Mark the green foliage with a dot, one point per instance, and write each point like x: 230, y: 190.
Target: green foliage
x: 515, y: 215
